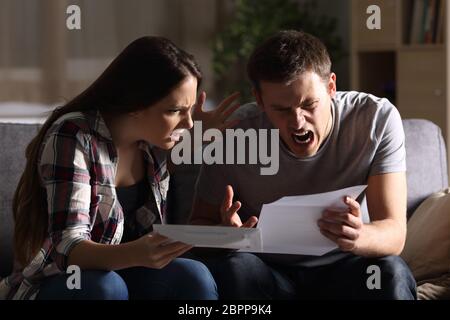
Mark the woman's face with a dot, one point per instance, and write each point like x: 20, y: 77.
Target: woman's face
x: 161, y: 124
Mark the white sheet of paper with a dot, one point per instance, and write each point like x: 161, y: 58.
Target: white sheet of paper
x: 289, y: 225
x: 212, y: 236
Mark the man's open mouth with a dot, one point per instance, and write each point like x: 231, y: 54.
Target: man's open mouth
x: 303, y: 137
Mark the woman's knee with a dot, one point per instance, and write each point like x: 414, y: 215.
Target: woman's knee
x: 104, y: 285
x: 91, y: 285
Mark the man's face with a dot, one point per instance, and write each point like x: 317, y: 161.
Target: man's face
x: 300, y: 110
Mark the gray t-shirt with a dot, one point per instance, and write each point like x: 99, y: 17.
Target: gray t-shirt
x: 366, y: 139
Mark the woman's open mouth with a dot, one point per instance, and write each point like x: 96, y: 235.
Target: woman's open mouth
x: 176, y: 135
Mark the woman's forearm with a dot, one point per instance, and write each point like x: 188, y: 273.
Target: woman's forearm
x: 91, y: 255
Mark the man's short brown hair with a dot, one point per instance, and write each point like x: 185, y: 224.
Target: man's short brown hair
x: 285, y: 56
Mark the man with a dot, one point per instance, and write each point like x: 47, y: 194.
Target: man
x: 329, y: 140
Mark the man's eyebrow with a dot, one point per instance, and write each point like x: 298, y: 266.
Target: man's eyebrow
x: 310, y: 101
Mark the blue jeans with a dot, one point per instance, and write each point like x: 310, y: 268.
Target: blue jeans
x: 184, y: 279
x: 246, y: 276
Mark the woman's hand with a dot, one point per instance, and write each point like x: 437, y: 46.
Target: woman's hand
x: 156, y: 251
x: 216, y: 118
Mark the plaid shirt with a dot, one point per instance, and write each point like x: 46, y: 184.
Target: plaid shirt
x: 77, y: 166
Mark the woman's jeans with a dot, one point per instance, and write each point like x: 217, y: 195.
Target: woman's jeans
x: 184, y: 279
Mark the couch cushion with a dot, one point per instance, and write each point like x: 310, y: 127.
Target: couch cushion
x: 13, y: 141
x: 427, y: 248
x: 434, y: 289
x: 425, y: 161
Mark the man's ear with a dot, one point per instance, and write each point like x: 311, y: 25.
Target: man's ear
x: 332, y: 85
x: 258, y: 98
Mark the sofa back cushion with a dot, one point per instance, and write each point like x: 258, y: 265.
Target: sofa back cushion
x: 426, y: 161
x: 13, y: 140
x: 427, y: 247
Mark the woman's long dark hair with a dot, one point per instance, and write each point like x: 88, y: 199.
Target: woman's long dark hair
x: 146, y: 71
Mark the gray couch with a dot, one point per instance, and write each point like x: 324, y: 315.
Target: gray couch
x: 426, y: 161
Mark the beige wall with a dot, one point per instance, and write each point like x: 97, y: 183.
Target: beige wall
x: 42, y: 61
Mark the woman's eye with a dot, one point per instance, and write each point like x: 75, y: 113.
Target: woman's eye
x: 174, y: 111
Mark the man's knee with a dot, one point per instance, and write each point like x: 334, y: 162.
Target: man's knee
x: 243, y: 276
x: 396, y: 277
x: 195, y: 277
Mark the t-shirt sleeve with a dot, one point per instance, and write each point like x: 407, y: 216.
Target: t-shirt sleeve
x: 390, y: 155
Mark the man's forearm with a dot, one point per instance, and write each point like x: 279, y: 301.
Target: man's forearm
x: 382, y: 238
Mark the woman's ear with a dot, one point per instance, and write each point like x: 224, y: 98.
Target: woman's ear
x: 134, y: 114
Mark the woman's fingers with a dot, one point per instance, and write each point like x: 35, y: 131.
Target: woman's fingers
x: 163, y: 255
x: 172, y: 255
x: 156, y: 239
x: 198, y: 108
x: 229, y: 124
x: 228, y: 112
x: 227, y: 101
x: 161, y: 251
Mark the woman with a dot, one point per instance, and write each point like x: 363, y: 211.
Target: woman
x: 96, y: 180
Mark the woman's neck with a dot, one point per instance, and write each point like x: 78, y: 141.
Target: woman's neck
x: 119, y: 129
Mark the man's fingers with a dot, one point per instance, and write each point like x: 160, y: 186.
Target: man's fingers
x: 251, y: 222
x: 353, y: 205
x: 228, y: 215
x: 343, y: 244
x: 339, y: 229
x: 329, y: 235
x: 227, y: 199
x: 342, y: 217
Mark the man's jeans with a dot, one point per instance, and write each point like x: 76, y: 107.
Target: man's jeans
x: 181, y: 279
x: 245, y: 276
